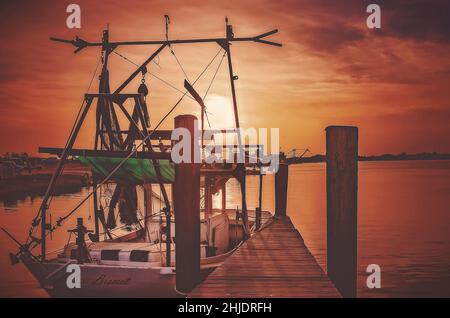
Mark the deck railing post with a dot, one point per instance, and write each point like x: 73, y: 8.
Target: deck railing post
x: 281, y: 185
x: 208, y: 197
x: 224, y: 197
x: 148, y: 203
x: 258, y: 210
x: 342, y: 189
x: 187, y: 213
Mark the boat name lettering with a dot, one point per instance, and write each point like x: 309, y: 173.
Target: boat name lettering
x: 104, y: 280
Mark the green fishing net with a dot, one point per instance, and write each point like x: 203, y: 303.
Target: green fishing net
x: 133, y: 170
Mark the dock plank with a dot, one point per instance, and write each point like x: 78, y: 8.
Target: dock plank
x: 275, y: 262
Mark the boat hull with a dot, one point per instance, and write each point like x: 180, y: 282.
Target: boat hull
x: 122, y: 278
x: 112, y: 281
x: 106, y: 281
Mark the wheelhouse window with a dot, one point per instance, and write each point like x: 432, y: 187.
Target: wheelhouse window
x: 110, y: 255
x: 139, y: 256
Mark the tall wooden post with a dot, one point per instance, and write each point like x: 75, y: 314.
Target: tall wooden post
x: 281, y: 184
x: 187, y: 213
x: 342, y: 191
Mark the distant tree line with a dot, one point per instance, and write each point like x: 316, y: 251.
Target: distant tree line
x: 384, y: 157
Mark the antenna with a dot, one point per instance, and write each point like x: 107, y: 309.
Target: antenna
x: 167, y: 21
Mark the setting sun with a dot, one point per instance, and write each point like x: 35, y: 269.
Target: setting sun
x: 220, y: 111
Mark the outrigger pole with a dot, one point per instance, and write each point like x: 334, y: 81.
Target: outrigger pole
x: 107, y: 48
x: 80, y: 44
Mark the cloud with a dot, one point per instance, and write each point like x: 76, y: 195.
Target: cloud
x: 418, y: 19
x: 331, y: 37
x: 331, y: 69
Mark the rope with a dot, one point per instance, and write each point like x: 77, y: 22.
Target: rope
x: 179, y: 64
x: 167, y: 21
x: 210, y: 84
x: 151, y: 74
x: 62, y: 219
x: 127, y: 59
x: 214, y: 76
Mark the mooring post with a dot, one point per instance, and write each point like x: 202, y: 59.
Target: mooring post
x: 281, y: 185
x: 342, y: 190
x: 187, y: 212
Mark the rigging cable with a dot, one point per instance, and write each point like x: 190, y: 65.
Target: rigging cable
x: 167, y: 20
x: 210, y: 84
x: 151, y: 74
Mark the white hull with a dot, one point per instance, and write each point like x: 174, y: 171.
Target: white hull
x: 99, y: 280
x: 114, y: 281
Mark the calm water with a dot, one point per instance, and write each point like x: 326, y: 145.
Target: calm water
x: 403, y: 225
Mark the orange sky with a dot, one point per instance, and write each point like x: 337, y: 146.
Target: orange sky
x: 393, y: 83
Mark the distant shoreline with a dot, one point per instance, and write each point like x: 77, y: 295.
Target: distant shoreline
x: 73, y: 179
x: 385, y: 157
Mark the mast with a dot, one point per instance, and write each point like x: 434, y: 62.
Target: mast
x: 241, y: 156
x: 102, y: 88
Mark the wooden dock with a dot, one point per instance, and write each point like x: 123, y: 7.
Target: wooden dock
x: 275, y: 262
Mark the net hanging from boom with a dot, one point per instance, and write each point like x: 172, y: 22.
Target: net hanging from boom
x: 133, y: 171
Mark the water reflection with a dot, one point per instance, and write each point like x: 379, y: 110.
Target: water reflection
x: 403, y: 224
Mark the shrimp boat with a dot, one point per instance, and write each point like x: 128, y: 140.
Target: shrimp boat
x: 135, y: 248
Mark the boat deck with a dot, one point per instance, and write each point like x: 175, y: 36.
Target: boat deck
x: 274, y: 262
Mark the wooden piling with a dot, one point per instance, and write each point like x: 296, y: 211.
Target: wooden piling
x: 342, y: 189
x: 281, y: 185
x: 187, y: 214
